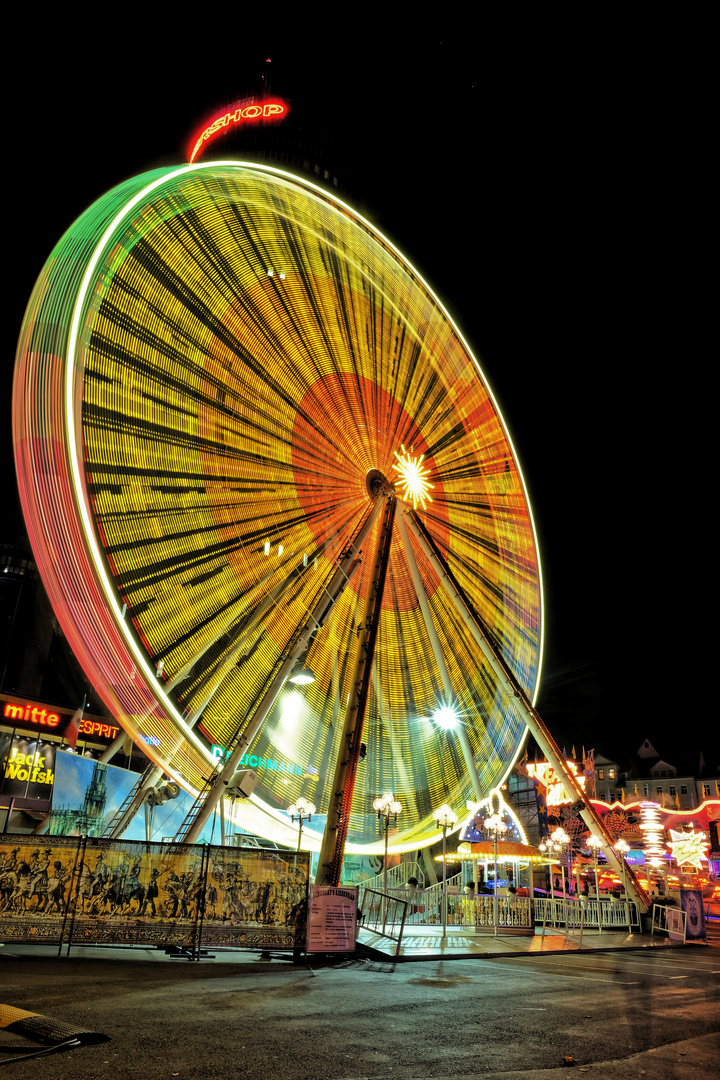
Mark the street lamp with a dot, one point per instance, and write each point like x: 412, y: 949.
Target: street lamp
x: 558, y: 841
x: 387, y: 807
x: 596, y: 846
x: 445, y: 818
x: 302, y: 810
x: 561, y: 840
x: 622, y: 847
x: 497, y: 826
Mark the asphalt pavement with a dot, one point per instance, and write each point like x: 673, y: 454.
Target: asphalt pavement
x: 611, y: 1014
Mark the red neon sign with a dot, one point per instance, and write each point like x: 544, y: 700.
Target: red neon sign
x: 34, y: 714
x: 93, y: 727
x: 246, y: 111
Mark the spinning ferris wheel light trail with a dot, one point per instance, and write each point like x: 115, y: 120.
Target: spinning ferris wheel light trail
x: 200, y: 444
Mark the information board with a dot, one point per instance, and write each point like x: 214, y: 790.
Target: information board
x: 332, y: 919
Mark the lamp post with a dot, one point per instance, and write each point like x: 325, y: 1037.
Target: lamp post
x: 497, y: 826
x: 387, y: 807
x: 622, y: 847
x: 561, y: 840
x: 558, y: 841
x: 596, y: 846
x: 444, y: 818
x: 302, y: 810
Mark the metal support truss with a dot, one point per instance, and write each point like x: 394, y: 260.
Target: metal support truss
x: 134, y: 800
x: 332, y: 850
x: 330, y: 595
x: 122, y: 742
x: 517, y: 695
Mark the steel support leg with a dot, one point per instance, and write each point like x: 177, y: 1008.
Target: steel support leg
x: 332, y: 850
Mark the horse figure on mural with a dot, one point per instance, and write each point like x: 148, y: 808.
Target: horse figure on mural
x: 20, y: 893
x: 91, y: 884
x: 8, y: 877
x: 28, y: 879
x: 55, y: 892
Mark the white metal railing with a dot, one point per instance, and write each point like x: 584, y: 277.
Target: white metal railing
x: 397, y: 877
x: 425, y: 909
x: 425, y: 905
x: 513, y: 911
x: 437, y: 890
x: 603, y: 914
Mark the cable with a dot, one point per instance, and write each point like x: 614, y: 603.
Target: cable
x: 68, y: 1044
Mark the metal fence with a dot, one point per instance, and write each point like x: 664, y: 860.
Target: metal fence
x: 397, y: 878
x: 424, y: 908
x: 71, y: 890
x: 603, y: 914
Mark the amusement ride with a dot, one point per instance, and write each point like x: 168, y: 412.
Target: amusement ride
x: 253, y: 445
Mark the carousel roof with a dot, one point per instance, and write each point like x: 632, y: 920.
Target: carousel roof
x: 506, y: 849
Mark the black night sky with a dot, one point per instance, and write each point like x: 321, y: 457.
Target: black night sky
x: 537, y: 176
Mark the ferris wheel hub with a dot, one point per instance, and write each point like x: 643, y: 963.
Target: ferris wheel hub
x: 377, y: 483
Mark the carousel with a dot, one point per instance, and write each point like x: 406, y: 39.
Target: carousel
x: 497, y: 869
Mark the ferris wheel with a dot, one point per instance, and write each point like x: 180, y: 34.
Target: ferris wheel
x: 236, y: 406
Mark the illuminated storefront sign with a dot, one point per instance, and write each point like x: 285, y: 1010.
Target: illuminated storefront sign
x: 242, y: 112
x: 545, y: 773
x: 96, y: 727
x: 30, y: 713
x: 252, y: 761
x: 28, y: 768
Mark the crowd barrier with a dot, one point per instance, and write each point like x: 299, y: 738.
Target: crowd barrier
x: 425, y: 909
x: 383, y: 914
x: 605, y: 914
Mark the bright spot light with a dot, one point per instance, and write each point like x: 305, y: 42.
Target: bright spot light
x: 413, y: 478
x: 446, y: 718
x: 303, y: 678
x: 292, y: 708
